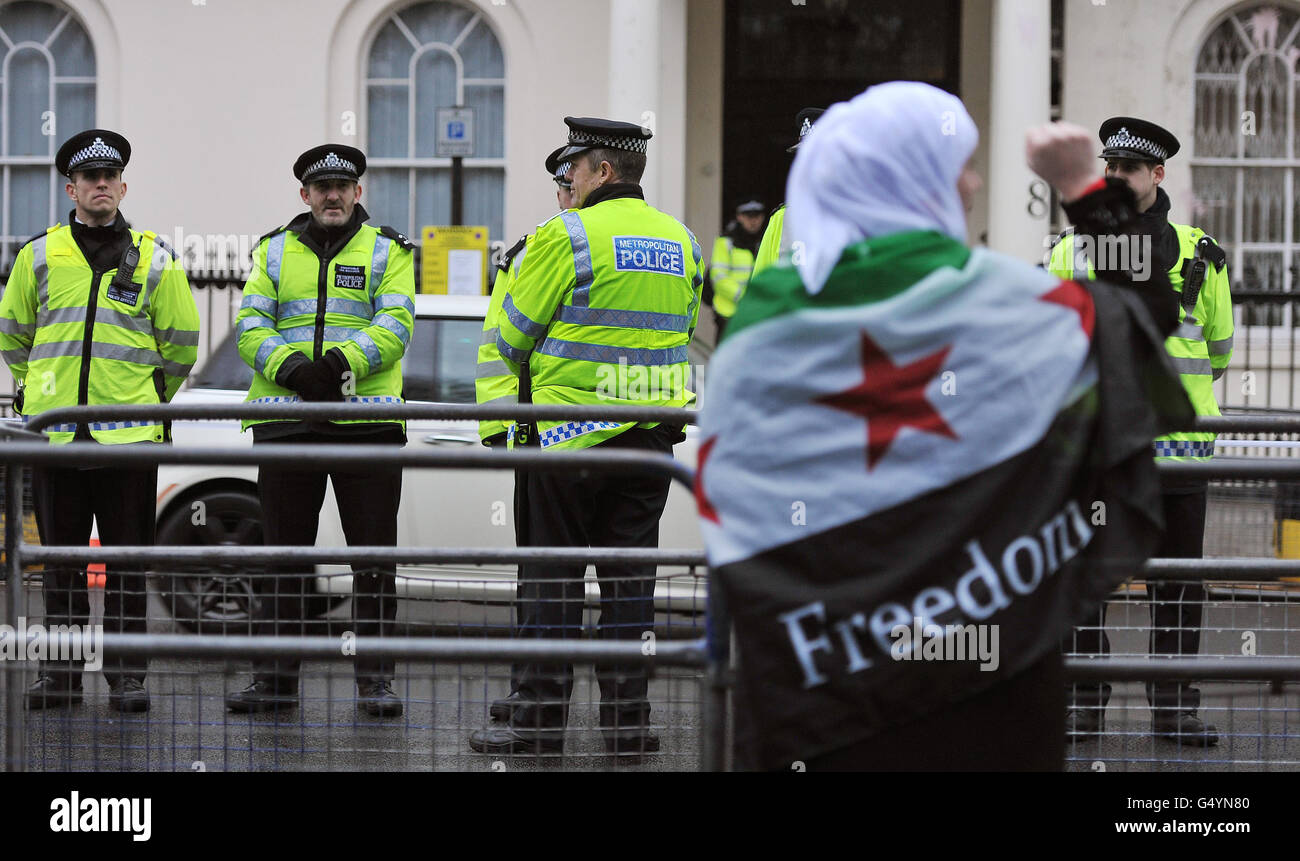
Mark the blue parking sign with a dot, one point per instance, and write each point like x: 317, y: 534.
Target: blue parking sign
x: 455, y: 137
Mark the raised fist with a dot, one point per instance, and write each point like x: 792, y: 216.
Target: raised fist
x: 1064, y: 155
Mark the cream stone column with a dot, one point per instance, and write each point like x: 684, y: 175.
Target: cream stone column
x: 647, y: 62
x: 1019, y: 98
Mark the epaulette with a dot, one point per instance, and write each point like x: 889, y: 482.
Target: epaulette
x: 1211, y: 251
x: 44, y: 232
x: 399, y: 238
x: 542, y: 224
x: 162, y: 243
x: 268, y: 234
x: 504, y: 265
x: 159, y: 241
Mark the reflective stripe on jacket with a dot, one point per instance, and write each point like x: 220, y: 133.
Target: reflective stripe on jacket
x: 72, y: 337
x: 362, y: 301
x: 494, y: 382
x: 602, y: 308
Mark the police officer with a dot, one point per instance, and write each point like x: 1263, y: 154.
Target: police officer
x: 328, y: 314
x: 769, y: 250
x: 733, y: 261
x: 601, y: 311
x: 1135, y: 151
x: 96, y: 312
x: 495, y: 384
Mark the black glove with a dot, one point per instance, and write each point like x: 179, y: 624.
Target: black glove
x: 293, y: 371
x: 497, y: 439
x: 18, y: 400
x: 313, y: 381
x: 327, y: 373
x: 1112, y: 212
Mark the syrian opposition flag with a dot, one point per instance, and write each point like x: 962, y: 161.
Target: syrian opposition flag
x: 916, y: 451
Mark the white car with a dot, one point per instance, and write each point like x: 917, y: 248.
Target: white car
x: 440, y: 507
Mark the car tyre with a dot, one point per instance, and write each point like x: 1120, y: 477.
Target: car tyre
x: 217, y: 598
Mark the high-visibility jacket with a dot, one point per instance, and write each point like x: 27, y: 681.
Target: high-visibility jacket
x: 73, y: 337
x: 494, y: 382
x: 1200, y: 347
x: 769, y: 250
x: 362, y: 300
x: 602, y: 308
x: 729, y: 271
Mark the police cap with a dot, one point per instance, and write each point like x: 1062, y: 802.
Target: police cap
x: 1129, y: 137
x: 557, y: 167
x: 751, y: 204
x: 805, y: 120
x: 587, y: 133
x: 330, y: 161
x: 92, y: 150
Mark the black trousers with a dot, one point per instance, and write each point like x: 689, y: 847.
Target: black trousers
x: 1176, y: 611
x: 577, y: 509
x: 121, y: 500
x: 721, y: 323
x: 291, y: 501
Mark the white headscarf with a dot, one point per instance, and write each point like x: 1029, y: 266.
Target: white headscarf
x: 886, y: 162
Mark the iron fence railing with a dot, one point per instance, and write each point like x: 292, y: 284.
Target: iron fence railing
x: 707, y: 658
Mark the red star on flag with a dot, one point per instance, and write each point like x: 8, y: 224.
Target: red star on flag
x: 891, y: 397
x: 1074, y: 295
x: 707, y: 511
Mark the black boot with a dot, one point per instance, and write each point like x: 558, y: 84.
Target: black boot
x: 264, y: 695
x: 377, y: 698
x: 52, y: 690
x: 1185, y: 728
x: 502, y: 709
x: 507, y: 740
x: 128, y: 694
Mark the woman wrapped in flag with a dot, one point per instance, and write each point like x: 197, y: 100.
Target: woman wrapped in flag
x: 922, y: 462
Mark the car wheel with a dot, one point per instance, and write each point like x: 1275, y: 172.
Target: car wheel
x: 218, y: 597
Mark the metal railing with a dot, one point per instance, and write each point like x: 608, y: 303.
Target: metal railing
x: 22, y: 450
x: 710, y: 656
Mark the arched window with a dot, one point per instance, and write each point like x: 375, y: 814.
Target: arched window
x: 424, y: 57
x: 47, y: 92
x: 1246, y: 152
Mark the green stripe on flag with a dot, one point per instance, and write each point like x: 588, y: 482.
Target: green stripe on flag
x: 868, y: 271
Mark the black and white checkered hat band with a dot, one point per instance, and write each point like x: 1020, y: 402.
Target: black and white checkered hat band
x: 563, y: 169
x: 332, y: 164
x: 1123, y: 139
x: 586, y: 139
x: 97, y: 152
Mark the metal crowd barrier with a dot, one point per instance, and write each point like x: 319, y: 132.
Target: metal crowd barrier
x: 416, y: 736
x: 1259, y: 734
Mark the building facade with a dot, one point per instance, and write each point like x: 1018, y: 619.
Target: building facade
x: 219, y: 96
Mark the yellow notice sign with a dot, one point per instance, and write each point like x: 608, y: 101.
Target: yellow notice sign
x: 454, y: 260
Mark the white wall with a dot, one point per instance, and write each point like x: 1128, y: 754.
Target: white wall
x: 219, y: 99
x: 1137, y: 58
